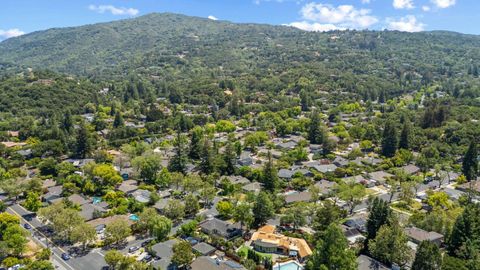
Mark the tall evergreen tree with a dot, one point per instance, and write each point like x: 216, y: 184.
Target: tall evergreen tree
x: 332, y: 252
x: 405, y: 136
x: 178, y: 163
x: 262, y: 208
x: 83, y: 144
x: 270, y: 177
x: 229, y: 158
x: 389, y: 140
x: 427, y: 257
x: 67, y: 122
x: 379, y: 215
x: 316, y: 132
x: 118, y: 121
x: 207, y: 165
x: 466, y: 229
x: 195, y: 143
x: 470, y: 162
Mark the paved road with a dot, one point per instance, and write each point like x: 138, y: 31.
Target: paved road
x: 40, y: 238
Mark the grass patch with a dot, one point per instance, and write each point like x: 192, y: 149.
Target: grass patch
x: 243, y: 251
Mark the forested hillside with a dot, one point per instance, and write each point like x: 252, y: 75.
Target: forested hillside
x: 193, y: 54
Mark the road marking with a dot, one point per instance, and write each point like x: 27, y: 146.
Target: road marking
x: 46, y: 238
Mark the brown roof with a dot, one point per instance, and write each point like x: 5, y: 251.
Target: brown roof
x: 267, y: 235
x: 422, y: 235
x: 13, y: 144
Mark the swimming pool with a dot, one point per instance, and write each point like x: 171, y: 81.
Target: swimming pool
x: 291, y: 265
x: 134, y: 217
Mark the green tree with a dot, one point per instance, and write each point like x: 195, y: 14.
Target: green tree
x: 225, y: 209
x: 243, y: 213
x: 427, y: 257
x: 191, y: 205
x: 470, y: 162
x: 83, y: 234
x: 182, y: 254
x: 118, y: 121
x: 229, y: 159
x: 316, y: 132
x: 160, y: 227
x: 352, y: 193
x: 32, y: 202
x: 466, y: 229
x: 117, y: 231
x: 379, y: 215
x: 113, y: 258
x: 269, y: 176
x: 39, y: 265
x: 196, y: 143
x: 295, y: 215
x: 405, y: 136
x: 148, y: 166
x: 207, y: 165
x: 178, y: 163
x: 389, y: 139
x: 327, y: 214
x: 332, y: 252
x: 83, y: 144
x: 175, y: 210
x: 262, y: 208
x: 391, y: 245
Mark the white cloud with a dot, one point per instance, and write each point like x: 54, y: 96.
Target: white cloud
x: 403, y: 4
x: 211, y: 17
x: 344, y: 16
x: 408, y: 23
x: 114, y: 10
x: 318, y: 27
x: 443, y: 3
x: 15, y: 32
x: 425, y: 8
x: 366, y: 1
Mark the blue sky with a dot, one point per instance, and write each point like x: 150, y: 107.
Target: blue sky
x: 23, y: 16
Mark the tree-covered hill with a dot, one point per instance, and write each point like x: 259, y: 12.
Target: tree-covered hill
x: 156, y: 42
x: 196, y: 59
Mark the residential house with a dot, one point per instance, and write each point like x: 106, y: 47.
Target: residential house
x: 245, y: 159
x: 296, y: 196
x: 254, y: 187
x: 204, y: 249
x: 224, y: 229
x: 380, y: 177
x: 207, y: 263
x: 418, y: 235
x: 237, y: 179
x: 164, y: 250
x: 265, y: 239
x: 128, y: 186
x: 410, y: 169
x: 325, y: 187
x: 53, y: 193
x: 367, y: 263
x: 141, y: 195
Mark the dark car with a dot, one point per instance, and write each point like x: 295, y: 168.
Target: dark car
x: 27, y: 226
x: 144, y: 244
x: 147, y: 258
x: 65, y: 256
x: 133, y: 249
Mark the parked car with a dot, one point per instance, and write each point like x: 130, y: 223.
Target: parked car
x: 133, y: 249
x: 65, y: 256
x: 144, y: 244
x: 147, y: 258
